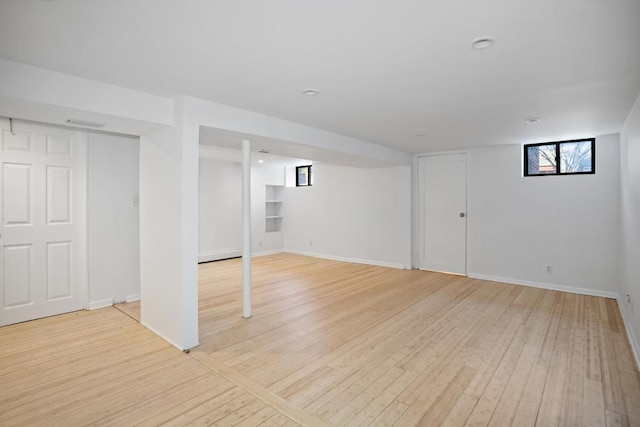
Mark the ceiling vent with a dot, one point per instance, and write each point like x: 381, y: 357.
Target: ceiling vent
x: 84, y: 123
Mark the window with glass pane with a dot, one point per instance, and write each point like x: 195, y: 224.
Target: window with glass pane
x: 303, y: 176
x: 541, y: 159
x: 560, y: 158
x: 575, y: 157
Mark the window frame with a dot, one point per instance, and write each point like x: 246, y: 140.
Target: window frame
x: 308, y: 167
x: 558, y: 164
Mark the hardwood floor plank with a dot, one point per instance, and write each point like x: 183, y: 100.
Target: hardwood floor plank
x: 277, y: 420
x: 614, y: 419
x: 593, y: 404
x: 448, y: 399
x: 391, y: 414
x: 255, y: 389
x: 507, y: 406
x: 459, y: 414
x: 331, y: 343
x: 490, y: 397
x: 550, y: 412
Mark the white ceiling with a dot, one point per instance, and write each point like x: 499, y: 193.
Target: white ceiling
x: 386, y: 70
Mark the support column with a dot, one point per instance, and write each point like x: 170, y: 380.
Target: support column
x: 246, y: 228
x: 169, y: 231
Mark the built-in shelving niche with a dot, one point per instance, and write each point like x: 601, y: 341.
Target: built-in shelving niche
x: 273, y: 208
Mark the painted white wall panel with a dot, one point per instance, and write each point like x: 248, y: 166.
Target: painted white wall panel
x: 114, y: 231
x: 169, y: 232
x: 630, y: 224
x: 362, y: 215
x: 517, y: 226
x: 220, y: 234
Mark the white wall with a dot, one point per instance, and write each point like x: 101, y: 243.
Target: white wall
x: 361, y: 215
x: 169, y: 231
x: 264, y: 174
x: 112, y: 218
x: 630, y: 224
x: 220, y: 231
x: 518, y: 225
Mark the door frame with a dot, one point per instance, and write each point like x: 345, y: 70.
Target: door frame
x: 83, y: 256
x: 417, y: 236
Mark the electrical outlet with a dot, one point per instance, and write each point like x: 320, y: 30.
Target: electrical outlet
x: 310, y: 242
x: 549, y: 268
x: 260, y: 244
x: 628, y: 299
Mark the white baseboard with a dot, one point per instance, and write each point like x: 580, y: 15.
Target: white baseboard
x: 354, y: 260
x: 550, y: 286
x: 94, y: 305
x: 633, y: 340
x: 132, y: 298
x: 179, y: 347
x: 233, y: 253
x: 275, y: 251
x: 216, y: 255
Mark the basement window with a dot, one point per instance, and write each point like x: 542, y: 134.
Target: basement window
x: 303, y: 176
x: 575, y: 157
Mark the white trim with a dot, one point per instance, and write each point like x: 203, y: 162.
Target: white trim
x: 414, y: 212
x: 179, y: 347
x: 275, y: 251
x: 633, y: 340
x: 132, y: 298
x: 216, y: 255
x: 343, y: 259
x: 550, y: 286
x: 82, y: 147
x: 94, y: 305
x: 232, y: 253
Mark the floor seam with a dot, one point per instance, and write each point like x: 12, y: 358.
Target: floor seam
x: 258, y: 391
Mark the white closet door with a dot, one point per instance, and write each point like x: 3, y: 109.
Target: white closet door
x: 443, y: 204
x: 42, y: 217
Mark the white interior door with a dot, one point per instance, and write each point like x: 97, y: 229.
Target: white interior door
x: 442, y: 202
x: 42, y: 222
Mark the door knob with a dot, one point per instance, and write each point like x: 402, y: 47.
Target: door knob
x: 461, y: 214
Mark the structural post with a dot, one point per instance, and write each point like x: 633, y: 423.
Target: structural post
x: 246, y: 228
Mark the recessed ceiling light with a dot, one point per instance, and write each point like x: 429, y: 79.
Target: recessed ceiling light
x: 482, y: 43
x: 532, y: 120
x: 310, y: 92
x: 419, y: 135
x: 260, y: 161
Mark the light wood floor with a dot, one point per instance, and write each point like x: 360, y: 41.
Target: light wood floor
x: 332, y: 343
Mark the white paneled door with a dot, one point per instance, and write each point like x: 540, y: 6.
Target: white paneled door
x: 42, y: 222
x: 442, y: 216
